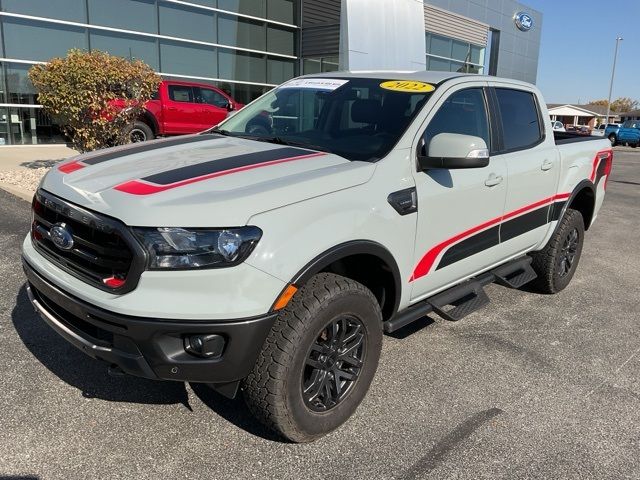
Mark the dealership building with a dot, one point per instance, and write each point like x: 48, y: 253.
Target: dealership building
x: 247, y: 47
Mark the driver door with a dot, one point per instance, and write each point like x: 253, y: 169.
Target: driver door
x: 459, y: 210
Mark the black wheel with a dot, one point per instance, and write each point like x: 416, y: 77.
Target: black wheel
x: 633, y: 145
x: 140, y: 132
x: 613, y: 139
x: 318, y: 360
x: 557, y: 262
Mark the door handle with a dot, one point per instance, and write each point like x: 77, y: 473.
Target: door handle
x: 493, y: 180
x: 546, y: 165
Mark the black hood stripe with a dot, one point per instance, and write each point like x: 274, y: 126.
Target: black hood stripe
x: 223, y: 164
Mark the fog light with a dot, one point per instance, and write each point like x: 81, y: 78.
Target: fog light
x: 205, y: 346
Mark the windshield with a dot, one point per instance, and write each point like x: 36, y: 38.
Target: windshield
x: 355, y: 118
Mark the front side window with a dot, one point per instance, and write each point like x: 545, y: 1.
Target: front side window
x: 520, y: 119
x: 464, y: 112
x: 211, y: 97
x: 355, y: 118
x: 180, y: 93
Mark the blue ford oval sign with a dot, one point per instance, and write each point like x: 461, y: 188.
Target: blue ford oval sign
x: 524, y: 22
x: 61, y: 236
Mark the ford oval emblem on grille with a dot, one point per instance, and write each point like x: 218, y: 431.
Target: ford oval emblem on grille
x: 61, y: 236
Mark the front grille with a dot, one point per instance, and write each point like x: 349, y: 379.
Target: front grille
x: 103, y: 252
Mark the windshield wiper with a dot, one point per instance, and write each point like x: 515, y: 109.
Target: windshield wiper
x: 220, y: 131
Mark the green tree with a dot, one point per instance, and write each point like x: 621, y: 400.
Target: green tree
x: 94, y: 96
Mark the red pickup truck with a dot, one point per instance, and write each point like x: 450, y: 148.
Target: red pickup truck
x: 182, y: 107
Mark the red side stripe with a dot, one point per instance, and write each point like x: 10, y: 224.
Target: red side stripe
x: 596, y: 161
x: 138, y: 187
x: 70, y: 166
x: 429, y: 258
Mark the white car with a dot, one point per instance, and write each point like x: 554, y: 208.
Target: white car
x: 273, y: 259
x: 557, y: 126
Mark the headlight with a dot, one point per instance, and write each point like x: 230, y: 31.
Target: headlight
x: 181, y: 248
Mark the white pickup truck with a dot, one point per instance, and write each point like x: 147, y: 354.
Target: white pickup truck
x: 270, y: 253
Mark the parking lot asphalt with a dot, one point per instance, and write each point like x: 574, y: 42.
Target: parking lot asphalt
x: 532, y: 386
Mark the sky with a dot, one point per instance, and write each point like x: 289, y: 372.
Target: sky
x: 577, y: 45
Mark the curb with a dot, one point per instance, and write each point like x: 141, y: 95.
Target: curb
x: 26, y: 195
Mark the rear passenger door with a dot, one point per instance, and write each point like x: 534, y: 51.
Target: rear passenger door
x: 531, y: 157
x: 181, y: 110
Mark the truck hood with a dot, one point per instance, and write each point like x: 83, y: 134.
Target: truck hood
x: 199, y: 180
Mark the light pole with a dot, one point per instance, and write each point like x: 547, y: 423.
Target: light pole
x: 613, y: 72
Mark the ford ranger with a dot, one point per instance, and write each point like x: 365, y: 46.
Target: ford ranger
x: 270, y: 261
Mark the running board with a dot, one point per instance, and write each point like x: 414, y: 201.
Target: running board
x: 459, y: 301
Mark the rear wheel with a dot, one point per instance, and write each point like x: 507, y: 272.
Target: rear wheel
x: 319, y: 359
x: 140, y: 132
x: 557, y: 262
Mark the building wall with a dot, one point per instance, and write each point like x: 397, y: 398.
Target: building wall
x: 243, y: 46
x: 518, y: 51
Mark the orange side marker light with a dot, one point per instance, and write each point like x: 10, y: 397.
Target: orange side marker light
x: 285, y: 297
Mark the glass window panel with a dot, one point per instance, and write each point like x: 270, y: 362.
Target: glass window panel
x: 4, y: 126
x: 29, y: 126
x: 210, y: 97
x: 311, y: 65
x: 279, y: 71
x: 236, y: 32
x: 464, y: 113
x: 477, y: 55
x: 280, y: 40
x: 330, y: 64
x: 248, y: 7
x: 438, y: 64
x: 3, y: 87
x: 73, y: 10
x: 520, y: 121
x: 19, y: 87
x: 206, y: 3
x: 138, y: 15
x: 181, y: 93
x: 29, y: 40
x: 457, y: 67
x: 440, y: 46
x: 185, y: 59
x: 132, y: 47
x: 241, y: 66
x: 281, y: 11
x: 460, y: 51
x: 184, y: 22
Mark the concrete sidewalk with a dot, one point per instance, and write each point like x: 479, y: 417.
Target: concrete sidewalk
x: 22, y: 167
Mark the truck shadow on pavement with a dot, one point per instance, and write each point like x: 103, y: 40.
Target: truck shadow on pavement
x: 91, y: 378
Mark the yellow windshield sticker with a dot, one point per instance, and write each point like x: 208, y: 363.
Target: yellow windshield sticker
x: 408, y: 86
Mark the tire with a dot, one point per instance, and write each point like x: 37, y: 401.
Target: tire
x: 552, y: 263
x: 140, y: 132
x: 633, y: 145
x: 294, y: 353
x: 613, y: 139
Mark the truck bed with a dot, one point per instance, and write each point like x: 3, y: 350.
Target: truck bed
x: 563, y: 138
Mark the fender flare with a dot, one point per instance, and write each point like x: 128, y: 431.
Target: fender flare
x: 347, y: 249
x: 150, y: 119
x: 576, y: 190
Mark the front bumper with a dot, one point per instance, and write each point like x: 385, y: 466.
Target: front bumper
x: 148, y: 347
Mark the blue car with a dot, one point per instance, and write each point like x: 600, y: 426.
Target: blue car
x: 629, y: 133
x: 611, y: 132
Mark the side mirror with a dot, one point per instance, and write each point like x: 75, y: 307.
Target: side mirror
x: 453, y: 150
x: 230, y: 107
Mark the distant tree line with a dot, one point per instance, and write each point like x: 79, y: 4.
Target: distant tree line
x: 622, y: 104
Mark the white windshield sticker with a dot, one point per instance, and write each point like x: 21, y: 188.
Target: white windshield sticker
x: 317, y: 83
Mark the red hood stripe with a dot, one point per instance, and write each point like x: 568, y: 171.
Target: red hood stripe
x: 426, y: 263
x: 140, y: 187
x: 72, y: 166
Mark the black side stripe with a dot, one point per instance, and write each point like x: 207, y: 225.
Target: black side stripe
x: 470, y: 246
x: 524, y: 223
x: 501, y: 233
x: 147, y: 146
x: 222, y: 164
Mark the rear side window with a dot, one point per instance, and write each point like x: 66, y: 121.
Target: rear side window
x: 180, y: 93
x: 463, y: 112
x: 520, y: 119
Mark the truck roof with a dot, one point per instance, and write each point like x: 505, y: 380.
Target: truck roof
x: 417, y: 75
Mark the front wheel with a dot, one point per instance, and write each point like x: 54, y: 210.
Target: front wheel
x: 140, y: 132
x: 318, y: 360
x: 558, y: 261
x: 613, y: 139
